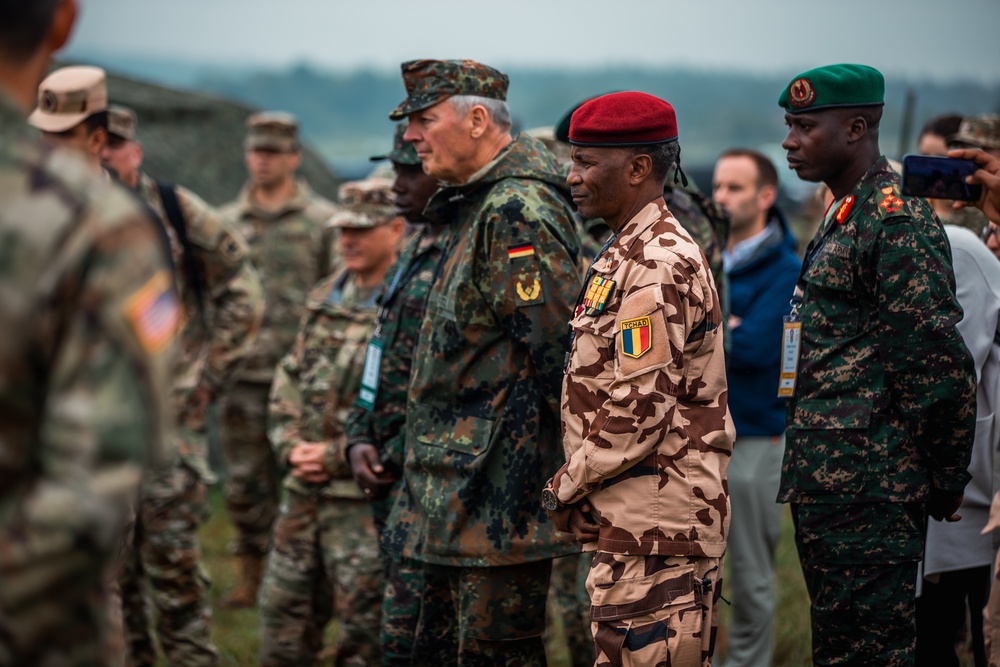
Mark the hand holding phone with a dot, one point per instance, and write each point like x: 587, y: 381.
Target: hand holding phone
x: 936, y: 177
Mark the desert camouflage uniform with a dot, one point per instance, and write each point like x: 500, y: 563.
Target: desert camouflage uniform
x: 399, y: 326
x: 325, y: 553
x: 291, y: 249
x: 89, y: 316
x: 481, y: 421
x: 648, y: 437
x: 216, y: 335
x: 883, y: 415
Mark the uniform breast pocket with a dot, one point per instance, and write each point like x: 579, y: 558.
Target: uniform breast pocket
x: 831, y: 443
x: 442, y: 428
x: 831, y: 294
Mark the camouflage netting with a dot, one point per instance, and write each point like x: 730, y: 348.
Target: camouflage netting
x: 197, y: 140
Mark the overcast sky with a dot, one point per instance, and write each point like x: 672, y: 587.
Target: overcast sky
x: 946, y: 39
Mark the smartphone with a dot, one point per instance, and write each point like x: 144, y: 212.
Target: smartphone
x: 939, y: 178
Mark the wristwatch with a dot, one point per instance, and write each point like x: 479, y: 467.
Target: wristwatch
x: 549, y: 499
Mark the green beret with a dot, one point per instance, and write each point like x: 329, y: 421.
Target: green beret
x: 834, y: 86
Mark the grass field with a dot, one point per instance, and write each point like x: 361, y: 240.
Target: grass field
x: 236, y: 632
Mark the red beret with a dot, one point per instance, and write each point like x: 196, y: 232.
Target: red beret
x: 623, y: 119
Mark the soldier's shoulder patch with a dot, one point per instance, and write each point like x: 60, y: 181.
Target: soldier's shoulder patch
x: 154, y: 313
x: 636, y: 336
x: 232, y: 249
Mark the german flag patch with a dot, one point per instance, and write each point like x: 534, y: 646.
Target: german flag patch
x: 154, y: 313
x: 520, y: 250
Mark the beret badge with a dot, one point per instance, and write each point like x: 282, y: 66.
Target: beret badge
x: 801, y: 93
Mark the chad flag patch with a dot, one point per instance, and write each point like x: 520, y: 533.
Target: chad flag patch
x: 154, y: 313
x: 636, y: 337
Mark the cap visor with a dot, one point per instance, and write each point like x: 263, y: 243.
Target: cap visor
x: 55, y: 122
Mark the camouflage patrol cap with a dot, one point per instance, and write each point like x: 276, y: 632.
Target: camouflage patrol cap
x: 978, y: 131
x: 402, y: 151
x: 272, y: 130
x: 68, y: 96
x: 431, y: 81
x: 366, y: 203
x: 122, y: 122
x: 833, y: 86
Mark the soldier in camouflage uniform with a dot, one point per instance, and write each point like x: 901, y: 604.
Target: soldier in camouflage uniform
x: 646, y: 426
x: 882, y: 410
x: 375, y: 424
x: 325, y: 556
x: 224, y: 304
x: 291, y: 247
x: 481, y: 419
x: 89, y: 315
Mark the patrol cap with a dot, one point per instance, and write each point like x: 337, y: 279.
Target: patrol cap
x: 366, y: 204
x: 623, y: 119
x: 272, y: 130
x: 402, y: 151
x: 833, y: 86
x: 431, y: 81
x: 122, y: 122
x: 978, y: 131
x: 68, y: 96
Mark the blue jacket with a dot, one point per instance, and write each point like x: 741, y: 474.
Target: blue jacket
x: 760, y: 287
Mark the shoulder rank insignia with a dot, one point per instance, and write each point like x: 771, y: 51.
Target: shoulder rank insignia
x: 637, y: 337
x: 891, y: 203
x: 844, y: 210
x: 530, y: 293
x: 520, y: 250
x: 598, y: 292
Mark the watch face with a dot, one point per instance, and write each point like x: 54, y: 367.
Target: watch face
x: 549, y: 500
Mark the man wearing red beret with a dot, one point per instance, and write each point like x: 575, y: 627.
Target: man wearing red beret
x: 646, y: 427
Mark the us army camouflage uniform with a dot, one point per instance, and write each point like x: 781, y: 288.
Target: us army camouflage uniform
x: 481, y: 421
x: 383, y: 426
x: 325, y: 553
x: 648, y: 436
x: 883, y: 415
x: 216, y: 335
x: 89, y: 316
x: 291, y: 249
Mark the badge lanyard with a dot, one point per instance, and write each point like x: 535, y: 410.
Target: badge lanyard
x: 373, y: 355
x: 791, y: 335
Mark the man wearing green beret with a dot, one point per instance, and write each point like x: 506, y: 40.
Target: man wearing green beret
x: 482, y: 418
x: 881, y: 413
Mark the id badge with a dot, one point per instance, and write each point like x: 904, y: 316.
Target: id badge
x: 791, y: 340
x: 369, y: 376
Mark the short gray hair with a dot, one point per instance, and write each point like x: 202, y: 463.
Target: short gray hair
x: 497, y: 109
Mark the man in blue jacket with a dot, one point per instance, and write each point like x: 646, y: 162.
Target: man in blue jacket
x: 762, y: 266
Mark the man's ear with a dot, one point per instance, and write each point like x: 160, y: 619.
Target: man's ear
x: 63, y: 20
x: 857, y: 128
x: 641, y: 166
x: 96, y: 141
x: 479, y: 120
x: 768, y: 194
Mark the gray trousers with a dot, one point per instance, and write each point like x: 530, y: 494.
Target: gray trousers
x: 754, y: 474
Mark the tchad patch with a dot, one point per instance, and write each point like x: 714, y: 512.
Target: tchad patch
x: 636, y: 337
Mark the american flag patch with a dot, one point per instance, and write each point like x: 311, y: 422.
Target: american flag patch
x: 521, y: 250
x: 154, y: 313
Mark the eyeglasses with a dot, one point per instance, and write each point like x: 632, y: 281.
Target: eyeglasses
x: 989, y: 230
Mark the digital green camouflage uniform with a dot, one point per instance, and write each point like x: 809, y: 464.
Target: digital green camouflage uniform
x: 398, y: 326
x: 217, y: 333
x: 291, y: 249
x: 325, y: 557
x: 89, y: 315
x: 883, y: 415
x: 482, y: 418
